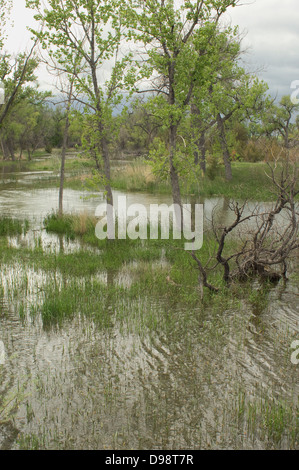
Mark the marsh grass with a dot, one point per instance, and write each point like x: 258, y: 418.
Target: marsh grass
x: 153, y: 307
x: 178, y: 280
x: 249, y: 179
x: 138, y: 176
x: 10, y: 226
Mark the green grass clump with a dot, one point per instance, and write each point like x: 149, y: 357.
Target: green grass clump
x: 9, y: 226
x: 60, y: 224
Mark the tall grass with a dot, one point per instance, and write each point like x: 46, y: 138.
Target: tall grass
x: 10, y: 226
x: 138, y: 176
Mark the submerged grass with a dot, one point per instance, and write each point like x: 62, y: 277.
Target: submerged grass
x: 162, y: 300
x: 10, y: 226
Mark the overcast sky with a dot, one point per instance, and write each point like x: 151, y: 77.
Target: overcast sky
x: 271, y: 41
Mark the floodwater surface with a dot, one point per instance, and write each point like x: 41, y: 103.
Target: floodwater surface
x: 145, y: 373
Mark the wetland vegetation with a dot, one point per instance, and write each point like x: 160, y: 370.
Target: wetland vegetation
x: 139, y: 344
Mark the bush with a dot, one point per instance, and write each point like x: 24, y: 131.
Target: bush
x: 254, y: 152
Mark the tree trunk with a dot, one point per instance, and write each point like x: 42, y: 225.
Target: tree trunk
x: 175, y: 186
x: 4, y: 150
x: 11, y: 150
x: 62, y: 168
x: 103, y: 144
x: 201, y: 145
x: 64, y: 149
x: 107, y: 170
x: 200, y: 152
x: 225, y: 151
x: 174, y: 178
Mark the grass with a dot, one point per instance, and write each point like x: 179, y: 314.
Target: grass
x: 174, y: 279
x: 10, y: 226
x: 249, y: 182
x: 159, y: 301
x: 198, y: 334
x: 138, y: 176
x: 249, y: 179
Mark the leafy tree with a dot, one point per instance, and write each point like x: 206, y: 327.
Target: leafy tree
x: 83, y: 36
x: 167, y: 29
x: 279, y: 120
x: 26, y: 125
x: 15, y: 72
x: 228, y: 93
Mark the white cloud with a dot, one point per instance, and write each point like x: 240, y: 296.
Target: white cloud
x: 272, y: 38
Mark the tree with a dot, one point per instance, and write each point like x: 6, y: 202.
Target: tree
x: 138, y: 128
x: 25, y: 125
x: 264, y: 245
x: 16, y: 72
x: 229, y: 92
x: 69, y: 92
x: 167, y: 29
x: 89, y: 30
x: 279, y: 120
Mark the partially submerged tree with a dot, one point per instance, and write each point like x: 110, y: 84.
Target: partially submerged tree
x: 264, y: 238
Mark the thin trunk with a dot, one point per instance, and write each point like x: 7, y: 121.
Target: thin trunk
x: 174, y: 178
x: 3, y: 149
x: 201, y: 145
x: 175, y: 186
x: 286, y: 139
x: 200, y: 152
x: 12, y: 152
x: 107, y: 170
x: 225, y: 151
x: 64, y: 150
x: 103, y: 144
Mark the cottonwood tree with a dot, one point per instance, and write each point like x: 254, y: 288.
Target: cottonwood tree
x: 166, y: 28
x: 245, y: 98
x: 139, y: 127
x: 15, y: 72
x: 223, y: 52
x: 279, y: 120
x: 90, y: 30
x: 25, y: 124
x: 229, y: 92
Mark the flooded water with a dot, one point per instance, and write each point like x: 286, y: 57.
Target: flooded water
x: 151, y: 375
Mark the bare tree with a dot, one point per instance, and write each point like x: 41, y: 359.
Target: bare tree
x: 266, y: 238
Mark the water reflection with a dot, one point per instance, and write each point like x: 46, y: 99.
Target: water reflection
x: 149, y: 375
